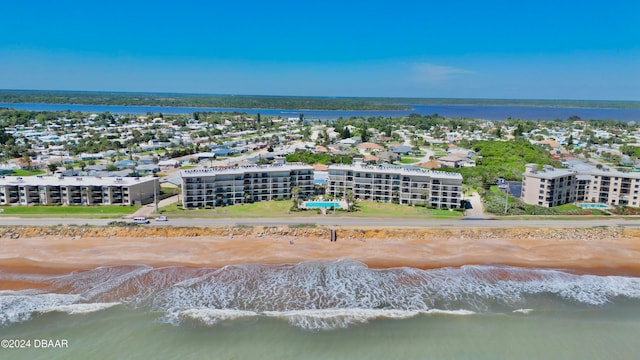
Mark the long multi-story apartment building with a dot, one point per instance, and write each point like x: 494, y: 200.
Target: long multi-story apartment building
x: 396, y: 184
x: 227, y: 186
x: 552, y: 187
x: 549, y: 186
x: 614, y: 188
x: 77, y: 190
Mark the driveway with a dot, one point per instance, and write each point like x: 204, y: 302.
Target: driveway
x: 477, y: 210
x: 149, y: 209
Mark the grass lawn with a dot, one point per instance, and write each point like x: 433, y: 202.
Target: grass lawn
x: 281, y: 209
x: 378, y: 209
x: 409, y: 160
x: 21, y: 172
x: 69, y: 211
x: 495, y: 198
x: 258, y: 209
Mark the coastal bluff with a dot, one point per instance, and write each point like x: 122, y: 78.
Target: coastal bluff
x: 597, y: 250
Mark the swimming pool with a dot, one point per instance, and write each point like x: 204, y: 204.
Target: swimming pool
x: 322, y: 204
x: 593, y: 206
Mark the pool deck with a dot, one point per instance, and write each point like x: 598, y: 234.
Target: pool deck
x: 323, y: 205
x: 598, y: 206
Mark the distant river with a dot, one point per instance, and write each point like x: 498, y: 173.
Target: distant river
x: 451, y: 111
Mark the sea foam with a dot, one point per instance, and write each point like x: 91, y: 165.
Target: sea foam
x: 319, y: 294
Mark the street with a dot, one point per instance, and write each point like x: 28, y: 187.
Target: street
x: 330, y: 221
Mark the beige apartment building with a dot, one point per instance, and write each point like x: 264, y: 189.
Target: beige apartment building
x: 552, y: 187
x: 244, y: 184
x: 614, y: 188
x: 549, y: 186
x: 77, y: 190
x: 404, y: 186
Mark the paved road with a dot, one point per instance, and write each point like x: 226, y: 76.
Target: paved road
x: 331, y: 221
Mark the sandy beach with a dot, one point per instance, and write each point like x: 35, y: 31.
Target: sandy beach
x: 30, y: 253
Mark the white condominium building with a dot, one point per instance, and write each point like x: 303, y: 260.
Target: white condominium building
x: 396, y: 184
x: 244, y: 184
x: 77, y: 190
x: 548, y: 187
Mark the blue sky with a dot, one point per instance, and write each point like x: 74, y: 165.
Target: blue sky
x: 464, y: 49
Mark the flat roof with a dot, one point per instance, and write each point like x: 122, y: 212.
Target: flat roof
x: 381, y: 169
x: 549, y: 172
x: 583, y: 168
x: 48, y: 180
x: 616, y: 173
x: 238, y: 170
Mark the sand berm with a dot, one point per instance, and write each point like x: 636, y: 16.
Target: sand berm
x: 596, y: 250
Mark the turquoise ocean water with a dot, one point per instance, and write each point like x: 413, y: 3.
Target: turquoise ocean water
x: 324, y: 310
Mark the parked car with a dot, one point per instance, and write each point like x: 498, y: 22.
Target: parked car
x: 162, y: 218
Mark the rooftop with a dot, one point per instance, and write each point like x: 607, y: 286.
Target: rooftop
x: 243, y: 169
x: 549, y: 172
x: 386, y: 169
x: 42, y: 180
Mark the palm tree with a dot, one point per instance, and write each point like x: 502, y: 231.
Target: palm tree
x: 350, y: 199
x: 295, y: 195
x: 424, y: 197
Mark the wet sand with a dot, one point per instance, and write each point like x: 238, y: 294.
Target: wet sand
x: 27, y: 262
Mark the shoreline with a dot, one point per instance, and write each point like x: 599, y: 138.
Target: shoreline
x: 31, y: 255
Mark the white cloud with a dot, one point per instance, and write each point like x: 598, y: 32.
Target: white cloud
x: 432, y: 74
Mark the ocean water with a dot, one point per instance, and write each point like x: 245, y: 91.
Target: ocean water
x: 323, y: 310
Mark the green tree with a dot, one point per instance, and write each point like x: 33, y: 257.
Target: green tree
x: 345, y: 133
x: 26, y: 158
x: 52, y: 167
x: 364, y: 134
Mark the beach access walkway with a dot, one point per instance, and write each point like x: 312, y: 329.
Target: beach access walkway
x: 477, y: 210
x: 149, y: 209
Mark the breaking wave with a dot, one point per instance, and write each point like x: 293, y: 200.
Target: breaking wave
x: 316, y: 295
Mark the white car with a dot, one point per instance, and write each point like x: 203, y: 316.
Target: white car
x: 162, y: 218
